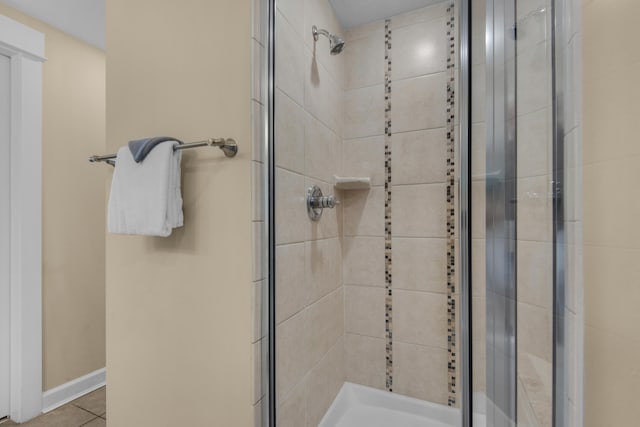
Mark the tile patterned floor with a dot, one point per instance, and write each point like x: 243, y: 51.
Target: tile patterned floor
x: 87, y: 411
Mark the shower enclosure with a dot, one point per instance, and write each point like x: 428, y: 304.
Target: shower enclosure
x: 416, y: 214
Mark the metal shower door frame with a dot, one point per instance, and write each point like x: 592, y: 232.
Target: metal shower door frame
x: 501, y: 214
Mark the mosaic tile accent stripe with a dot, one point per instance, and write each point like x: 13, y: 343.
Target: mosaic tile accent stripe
x: 387, y: 209
x: 451, y: 214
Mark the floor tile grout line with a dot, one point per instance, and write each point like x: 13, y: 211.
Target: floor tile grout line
x: 86, y: 410
x: 90, y: 421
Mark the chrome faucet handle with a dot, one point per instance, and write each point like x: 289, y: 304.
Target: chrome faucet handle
x: 316, y: 202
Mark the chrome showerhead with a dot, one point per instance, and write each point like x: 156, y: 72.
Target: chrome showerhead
x: 336, y: 44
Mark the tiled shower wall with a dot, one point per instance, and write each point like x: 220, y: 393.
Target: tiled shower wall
x: 396, y: 315
x: 310, y: 302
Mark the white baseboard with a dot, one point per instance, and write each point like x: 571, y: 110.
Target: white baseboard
x: 65, y: 393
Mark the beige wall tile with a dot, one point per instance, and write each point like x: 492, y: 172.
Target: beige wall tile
x: 534, y: 209
x: 258, y: 89
x: 362, y: 31
x: 324, y: 382
x: 478, y: 93
x: 536, y: 377
x: 478, y: 25
x: 258, y: 244
x: 290, y: 73
x: 419, y: 103
x: 479, y: 206
x: 293, y: 361
x: 478, y: 151
x: 326, y: 324
x: 257, y: 310
x: 256, y: 374
x: 420, y: 372
x: 322, y: 150
x: 364, y: 212
x: 365, y: 310
x: 535, y: 273
x: 425, y: 14
x: 479, y: 344
x: 293, y: 12
x: 323, y: 259
x: 574, y: 351
x: 364, y: 157
x: 478, y: 267
x: 365, y: 360
x: 293, y: 411
x: 291, y: 209
x: 290, y: 133
x: 292, y: 289
x: 420, y: 318
x: 364, y: 60
x: 364, y: 112
x: 258, y: 410
x: 258, y: 14
x: 257, y: 197
x: 533, y: 28
x: 363, y: 259
x: 419, y: 157
x: 534, y: 67
x: 420, y: 264
x: 420, y: 49
x: 419, y: 210
x: 257, y: 131
x: 534, y: 143
x: 323, y: 95
x: 535, y: 331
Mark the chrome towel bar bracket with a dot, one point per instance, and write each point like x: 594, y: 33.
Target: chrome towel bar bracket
x: 228, y: 146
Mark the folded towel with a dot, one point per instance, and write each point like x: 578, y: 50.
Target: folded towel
x: 140, y: 148
x: 145, y: 197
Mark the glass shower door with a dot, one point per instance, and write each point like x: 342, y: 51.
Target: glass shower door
x: 513, y: 236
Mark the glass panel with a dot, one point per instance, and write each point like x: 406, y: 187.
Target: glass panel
x: 513, y: 238
x: 535, y: 213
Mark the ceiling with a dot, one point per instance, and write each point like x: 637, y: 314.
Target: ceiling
x: 352, y: 13
x: 83, y: 19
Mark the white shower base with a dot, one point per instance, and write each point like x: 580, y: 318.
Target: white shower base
x: 357, y: 406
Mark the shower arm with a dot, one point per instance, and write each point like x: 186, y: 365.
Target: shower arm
x: 317, y: 32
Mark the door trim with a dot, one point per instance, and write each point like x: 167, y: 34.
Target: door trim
x: 25, y: 48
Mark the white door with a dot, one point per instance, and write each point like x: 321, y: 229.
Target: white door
x: 5, y: 249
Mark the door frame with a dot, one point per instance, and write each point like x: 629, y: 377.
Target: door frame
x: 25, y: 48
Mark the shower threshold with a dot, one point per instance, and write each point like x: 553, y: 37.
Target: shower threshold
x: 357, y: 405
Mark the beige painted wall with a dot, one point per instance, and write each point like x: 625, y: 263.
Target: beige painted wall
x: 611, y: 162
x: 73, y: 205
x: 179, y: 308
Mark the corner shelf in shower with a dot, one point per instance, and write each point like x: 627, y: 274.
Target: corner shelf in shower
x: 352, y: 182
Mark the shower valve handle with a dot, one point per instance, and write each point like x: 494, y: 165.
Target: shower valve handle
x: 316, y: 202
x: 324, y: 202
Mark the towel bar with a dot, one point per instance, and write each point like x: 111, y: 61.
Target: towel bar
x: 227, y: 145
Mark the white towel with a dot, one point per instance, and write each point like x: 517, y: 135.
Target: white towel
x: 145, y: 197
